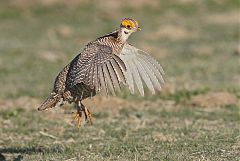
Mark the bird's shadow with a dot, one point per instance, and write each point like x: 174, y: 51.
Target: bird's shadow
x: 26, y: 150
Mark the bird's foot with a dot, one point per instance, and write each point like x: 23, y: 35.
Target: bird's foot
x: 78, y: 118
x: 88, y: 115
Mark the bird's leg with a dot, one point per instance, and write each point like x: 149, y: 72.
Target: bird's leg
x: 78, y: 114
x: 88, y: 115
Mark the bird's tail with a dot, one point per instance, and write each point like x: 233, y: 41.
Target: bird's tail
x: 50, y: 102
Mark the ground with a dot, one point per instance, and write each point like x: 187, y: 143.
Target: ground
x: 195, y: 117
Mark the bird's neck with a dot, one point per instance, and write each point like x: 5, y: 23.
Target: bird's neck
x: 121, y: 36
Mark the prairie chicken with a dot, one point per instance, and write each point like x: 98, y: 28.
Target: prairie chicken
x: 105, y: 64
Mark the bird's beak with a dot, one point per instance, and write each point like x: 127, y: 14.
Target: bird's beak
x: 138, y: 29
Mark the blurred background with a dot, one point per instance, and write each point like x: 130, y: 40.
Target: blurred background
x: 196, y: 114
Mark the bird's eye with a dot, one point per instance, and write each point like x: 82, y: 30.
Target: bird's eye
x: 128, y: 26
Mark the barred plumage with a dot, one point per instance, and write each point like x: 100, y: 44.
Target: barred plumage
x: 104, y: 65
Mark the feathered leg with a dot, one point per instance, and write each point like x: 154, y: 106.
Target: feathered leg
x: 78, y: 114
x: 88, y: 115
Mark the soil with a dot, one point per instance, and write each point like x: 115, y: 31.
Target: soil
x: 214, y: 99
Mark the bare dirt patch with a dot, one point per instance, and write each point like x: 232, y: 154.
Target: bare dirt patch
x: 133, y: 3
x: 203, y: 50
x: 113, y: 104
x: 23, y: 102
x: 224, y: 18
x: 64, y: 30
x: 186, y: 1
x: 27, y: 4
x: 109, y: 4
x: 214, y: 99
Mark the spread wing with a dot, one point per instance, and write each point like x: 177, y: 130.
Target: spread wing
x: 141, y: 66
x: 98, y: 68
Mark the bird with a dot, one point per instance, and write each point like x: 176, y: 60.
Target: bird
x: 105, y: 65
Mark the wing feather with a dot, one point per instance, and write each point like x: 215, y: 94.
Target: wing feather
x: 88, y: 75
x: 119, y: 72
x: 113, y: 75
x: 96, y: 78
x: 152, y: 60
x: 108, y: 79
x: 140, y: 65
x: 145, y: 75
x: 102, y: 80
x: 120, y: 62
x: 154, y: 68
x: 129, y: 76
x: 151, y: 74
x: 136, y: 77
x: 92, y: 74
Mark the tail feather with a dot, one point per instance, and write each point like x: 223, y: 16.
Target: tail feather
x: 50, y: 102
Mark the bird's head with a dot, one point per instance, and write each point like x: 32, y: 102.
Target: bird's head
x: 127, y: 27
